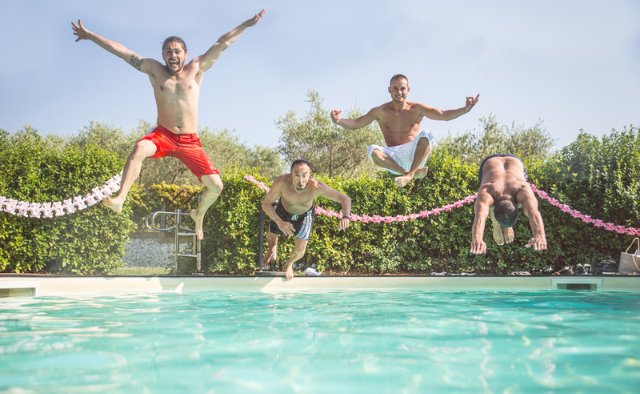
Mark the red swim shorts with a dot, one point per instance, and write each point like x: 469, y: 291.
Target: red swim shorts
x: 186, y: 147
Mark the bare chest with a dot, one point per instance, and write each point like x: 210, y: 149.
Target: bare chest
x: 405, y: 121
x: 297, y: 203
x: 172, y: 89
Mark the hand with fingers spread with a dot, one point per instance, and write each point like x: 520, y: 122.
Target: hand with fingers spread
x: 478, y: 246
x: 286, y: 228
x: 80, y: 31
x: 539, y: 242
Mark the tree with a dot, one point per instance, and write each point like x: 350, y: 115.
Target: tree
x: 331, y: 149
x: 493, y: 137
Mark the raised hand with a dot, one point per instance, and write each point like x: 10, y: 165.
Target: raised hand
x: 335, y: 116
x: 252, y: 21
x: 80, y: 31
x: 471, y: 102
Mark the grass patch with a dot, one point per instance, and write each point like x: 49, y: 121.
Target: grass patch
x: 147, y: 271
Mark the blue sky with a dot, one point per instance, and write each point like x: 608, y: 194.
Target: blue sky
x: 573, y: 64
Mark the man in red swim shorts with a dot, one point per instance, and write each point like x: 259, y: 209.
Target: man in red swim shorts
x: 176, y: 87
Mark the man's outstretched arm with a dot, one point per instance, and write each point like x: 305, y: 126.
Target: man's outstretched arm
x: 267, y: 206
x: 209, y: 58
x: 530, y: 208
x: 135, y: 60
x: 353, y: 124
x: 481, y: 209
x: 438, y: 114
x: 344, y: 200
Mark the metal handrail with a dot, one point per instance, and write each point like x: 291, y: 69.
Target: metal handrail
x: 179, y: 232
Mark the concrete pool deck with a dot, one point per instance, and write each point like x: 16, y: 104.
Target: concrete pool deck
x: 36, y: 285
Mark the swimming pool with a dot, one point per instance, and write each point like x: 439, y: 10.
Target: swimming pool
x: 370, y: 341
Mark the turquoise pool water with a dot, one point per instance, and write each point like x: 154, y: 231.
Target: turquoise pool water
x: 334, y: 342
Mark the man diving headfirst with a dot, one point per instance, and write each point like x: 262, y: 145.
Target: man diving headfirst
x: 295, y: 211
x: 176, y: 86
x: 407, y: 147
x: 503, y: 188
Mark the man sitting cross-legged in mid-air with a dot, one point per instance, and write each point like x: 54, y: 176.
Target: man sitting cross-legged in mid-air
x: 295, y: 211
x: 176, y: 86
x: 503, y: 188
x: 407, y: 147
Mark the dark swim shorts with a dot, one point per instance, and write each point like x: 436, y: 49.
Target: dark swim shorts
x: 186, y: 147
x: 526, y: 177
x: 302, y: 224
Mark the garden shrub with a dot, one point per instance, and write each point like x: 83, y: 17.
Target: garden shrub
x: 599, y: 177
x: 90, y: 241
x: 441, y: 242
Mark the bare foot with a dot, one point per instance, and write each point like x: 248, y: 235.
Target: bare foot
x: 198, y: 219
x: 115, y: 204
x: 289, y: 272
x: 402, y: 181
x: 267, y: 260
x: 421, y: 173
x: 508, y: 234
x: 497, y: 235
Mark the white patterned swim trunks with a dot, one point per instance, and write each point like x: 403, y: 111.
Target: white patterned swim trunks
x: 403, y: 154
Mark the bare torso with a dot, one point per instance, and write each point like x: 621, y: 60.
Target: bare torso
x: 503, y: 176
x: 177, y: 97
x: 298, y: 202
x: 399, y: 126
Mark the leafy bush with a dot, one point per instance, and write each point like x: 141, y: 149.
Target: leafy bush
x: 91, y: 240
x: 442, y: 242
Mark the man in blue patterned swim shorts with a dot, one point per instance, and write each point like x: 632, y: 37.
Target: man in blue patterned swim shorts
x: 294, y: 195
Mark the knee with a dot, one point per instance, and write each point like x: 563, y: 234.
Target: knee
x: 297, y: 254
x: 213, y: 183
x: 376, y: 154
x: 140, y: 152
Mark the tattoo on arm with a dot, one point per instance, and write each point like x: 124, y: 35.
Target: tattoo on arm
x: 136, y: 62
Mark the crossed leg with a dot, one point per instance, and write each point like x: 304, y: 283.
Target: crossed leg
x: 385, y: 161
x: 132, y: 167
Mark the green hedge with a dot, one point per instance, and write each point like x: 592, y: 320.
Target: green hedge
x: 91, y: 241
x: 441, y: 242
x: 599, y: 177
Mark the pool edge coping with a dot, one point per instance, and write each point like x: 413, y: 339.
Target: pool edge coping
x: 67, y: 285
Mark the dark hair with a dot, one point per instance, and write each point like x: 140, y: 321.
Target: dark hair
x: 506, y: 212
x: 300, y: 161
x: 398, y: 76
x: 174, y: 39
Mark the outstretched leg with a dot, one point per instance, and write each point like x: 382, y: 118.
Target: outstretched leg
x: 299, y: 247
x: 141, y: 151
x: 212, y: 190
x: 272, y: 246
x: 422, y: 150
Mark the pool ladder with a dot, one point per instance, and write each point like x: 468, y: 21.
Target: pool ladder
x: 180, y: 231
